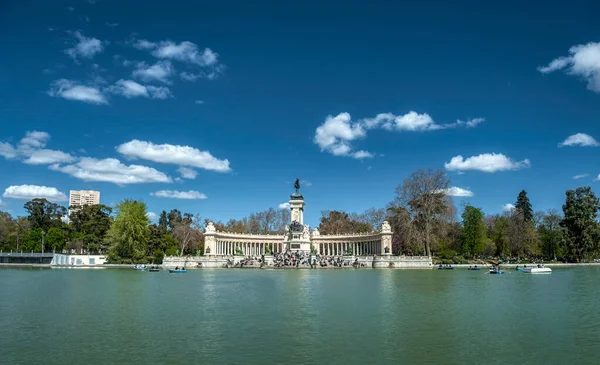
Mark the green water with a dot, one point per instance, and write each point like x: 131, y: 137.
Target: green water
x: 113, y: 316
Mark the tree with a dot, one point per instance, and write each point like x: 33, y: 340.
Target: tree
x: 188, y: 235
x: 7, y: 224
x: 524, y: 206
x: 55, y: 239
x: 336, y: 222
x: 21, y: 229
x: 423, y: 194
x: 498, y: 232
x: 173, y: 218
x: 374, y: 217
x: 163, y: 221
x: 128, y: 235
x: 473, y: 231
x: 551, y: 235
x: 33, y: 241
x: 44, y: 214
x: 581, y: 228
x: 93, y: 221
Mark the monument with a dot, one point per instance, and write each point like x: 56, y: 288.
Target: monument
x: 297, y: 236
x: 373, y: 249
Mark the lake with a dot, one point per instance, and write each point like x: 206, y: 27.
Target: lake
x: 364, y: 316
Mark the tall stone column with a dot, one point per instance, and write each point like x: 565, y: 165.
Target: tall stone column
x: 210, y: 240
x: 386, y: 238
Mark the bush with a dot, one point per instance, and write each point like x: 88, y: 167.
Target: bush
x: 159, y: 255
x: 447, y: 254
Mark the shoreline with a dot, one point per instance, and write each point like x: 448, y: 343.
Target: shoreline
x: 165, y: 268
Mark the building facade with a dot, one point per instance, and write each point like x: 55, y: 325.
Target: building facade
x: 79, y: 198
x: 84, y: 197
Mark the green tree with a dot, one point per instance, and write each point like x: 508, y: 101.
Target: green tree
x: 499, y: 234
x: 524, y: 206
x: 33, y: 241
x: 163, y: 221
x: 44, y: 214
x: 551, y: 235
x: 473, y: 231
x: 93, y: 221
x: 54, y: 239
x: 173, y: 218
x: 581, y: 228
x: 128, y: 236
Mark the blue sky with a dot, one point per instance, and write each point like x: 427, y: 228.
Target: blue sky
x: 118, y: 96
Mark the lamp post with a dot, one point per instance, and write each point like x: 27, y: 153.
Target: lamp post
x: 43, y: 233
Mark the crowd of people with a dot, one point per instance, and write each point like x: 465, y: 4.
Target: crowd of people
x: 295, y: 260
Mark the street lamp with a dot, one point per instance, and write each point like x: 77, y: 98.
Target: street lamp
x: 43, y: 233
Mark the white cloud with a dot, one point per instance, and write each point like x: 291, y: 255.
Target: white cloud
x: 486, y: 162
x: 28, y: 192
x: 579, y: 139
x: 581, y: 176
x: 413, y: 121
x: 186, y: 76
x: 336, y: 133
x: 508, y: 207
x: 7, y: 150
x: 30, y: 150
x: 72, y: 90
x: 187, y: 173
x: 160, y: 71
x: 35, y: 139
x: 285, y: 205
x: 583, y: 61
x: 143, y: 44
x: 131, y: 89
x: 85, y: 47
x: 185, y: 52
x: 199, y: 102
x: 174, y: 154
x: 112, y: 170
x: 362, y: 154
x: 176, y: 194
x: 305, y: 183
x: 456, y: 191
x: 46, y: 157
x: 112, y: 25
x: 152, y: 216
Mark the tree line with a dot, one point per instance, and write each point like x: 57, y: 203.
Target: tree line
x: 423, y: 218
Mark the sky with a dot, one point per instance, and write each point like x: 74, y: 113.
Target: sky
x: 216, y: 108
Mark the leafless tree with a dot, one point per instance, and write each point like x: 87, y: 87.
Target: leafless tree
x: 424, y: 196
x: 188, y: 234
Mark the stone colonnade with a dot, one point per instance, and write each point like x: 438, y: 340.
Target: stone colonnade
x: 359, y: 244
x: 228, y: 247
x: 358, y: 248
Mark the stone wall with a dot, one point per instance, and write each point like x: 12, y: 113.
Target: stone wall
x: 378, y: 262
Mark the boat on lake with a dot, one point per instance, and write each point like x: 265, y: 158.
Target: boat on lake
x: 474, y: 268
x: 496, y: 271
x: 154, y: 270
x: 540, y: 269
x: 140, y: 267
x: 177, y: 271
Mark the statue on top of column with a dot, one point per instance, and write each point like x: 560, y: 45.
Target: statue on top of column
x: 297, y: 185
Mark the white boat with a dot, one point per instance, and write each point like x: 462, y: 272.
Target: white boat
x: 537, y: 270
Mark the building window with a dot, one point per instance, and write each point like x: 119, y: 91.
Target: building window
x: 92, y: 261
